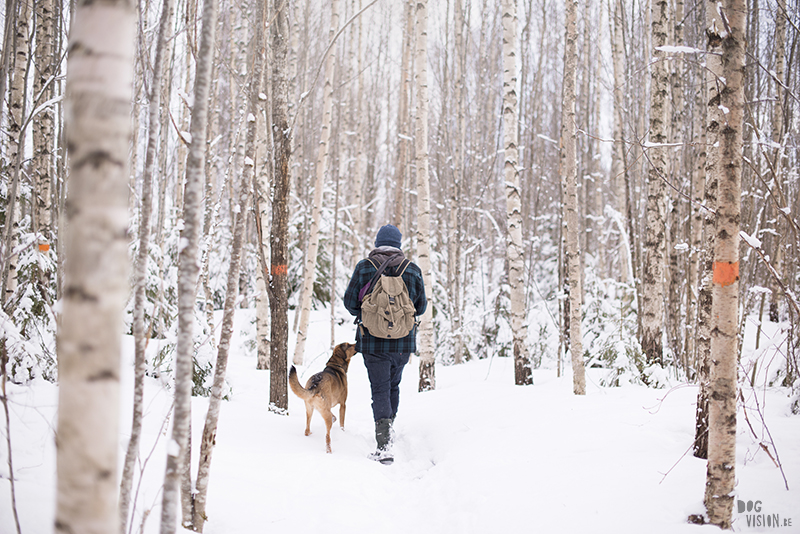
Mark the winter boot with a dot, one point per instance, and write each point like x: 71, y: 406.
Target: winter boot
x: 383, y: 435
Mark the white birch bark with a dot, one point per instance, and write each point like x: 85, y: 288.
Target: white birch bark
x: 403, y: 118
x: 569, y: 170
x: 359, y: 247
x: 777, y: 155
x: 44, y: 122
x: 309, y: 269
x: 618, y: 163
x: 455, y: 231
x: 17, y: 108
x: 140, y: 272
x: 263, y: 182
x: 98, y: 95
x: 516, y: 264
x: 652, y: 294
x: 713, y: 80
x: 721, y: 474
x: 188, y: 272
x: 425, y: 337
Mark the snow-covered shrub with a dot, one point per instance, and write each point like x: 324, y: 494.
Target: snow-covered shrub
x: 31, y: 330
x: 609, y: 334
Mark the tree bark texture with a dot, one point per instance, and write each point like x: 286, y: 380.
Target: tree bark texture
x: 516, y: 264
x: 403, y: 118
x: 279, y: 280
x: 618, y: 163
x: 44, y: 121
x: 427, y: 369
x: 569, y: 173
x: 17, y: 108
x: 655, y: 224
x: 713, y: 79
x: 98, y: 95
x: 721, y: 474
x: 188, y: 271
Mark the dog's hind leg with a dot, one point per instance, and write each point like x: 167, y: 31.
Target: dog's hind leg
x: 309, y: 413
x: 328, y: 416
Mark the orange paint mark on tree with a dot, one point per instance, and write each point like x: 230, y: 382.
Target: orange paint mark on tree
x: 280, y: 270
x: 44, y: 247
x: 725, y: 273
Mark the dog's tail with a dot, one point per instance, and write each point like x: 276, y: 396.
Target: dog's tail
x: 297, y: 388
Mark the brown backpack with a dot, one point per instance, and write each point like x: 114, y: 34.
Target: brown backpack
x: 387, y: 311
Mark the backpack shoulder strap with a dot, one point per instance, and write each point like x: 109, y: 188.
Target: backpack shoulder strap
x: 405, y: 263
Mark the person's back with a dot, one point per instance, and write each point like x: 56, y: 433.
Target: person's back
x: 385, y: 357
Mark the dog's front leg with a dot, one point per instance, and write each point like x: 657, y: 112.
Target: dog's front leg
x: 342, y: 409
x: 328, y: 416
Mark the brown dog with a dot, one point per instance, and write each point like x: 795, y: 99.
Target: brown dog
x: 326, y: 389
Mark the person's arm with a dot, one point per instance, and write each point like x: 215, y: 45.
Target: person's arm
x: 416, y: 290
x: 350, y: 299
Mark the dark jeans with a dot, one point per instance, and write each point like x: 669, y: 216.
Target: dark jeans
x: 385, y: 372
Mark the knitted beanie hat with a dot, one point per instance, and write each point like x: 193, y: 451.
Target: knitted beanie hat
x: 388, y: 236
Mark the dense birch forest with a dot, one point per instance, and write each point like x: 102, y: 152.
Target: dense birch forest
x: 585, y: 184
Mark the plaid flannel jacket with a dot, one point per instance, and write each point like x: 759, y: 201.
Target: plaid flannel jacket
x: 366, y: 343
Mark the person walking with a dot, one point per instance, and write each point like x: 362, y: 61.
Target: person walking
x: 384, y: 357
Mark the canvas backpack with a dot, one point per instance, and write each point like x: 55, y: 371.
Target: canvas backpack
x: 387, y: 311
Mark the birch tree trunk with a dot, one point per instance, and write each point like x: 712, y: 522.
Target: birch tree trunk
x: 618, y: 163
x: 697, y: 216
x: 278, y: 280
x: 713, y: 79
x: 721, y: 475
x: 427, y: 369
x: 569, y: 173
x: 140, y: 272
x: 455, y: 230
x: 403, y: 119
x: 309, y: 270
x: 357, y: 240
x: 44, y: 122
x: 777, y: 154
x: 188, y: 271
x: 516, y: 265
x: 652, y: 294
x: 261, y: 192
x: 98, y: 95
x: 16, y: 138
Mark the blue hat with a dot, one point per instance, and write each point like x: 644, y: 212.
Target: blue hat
x: 388, y: 236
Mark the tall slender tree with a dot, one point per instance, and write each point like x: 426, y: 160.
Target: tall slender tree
x: 714, y: 84
x: 652, y: 293
x: 427, y: 370
x: 140, y: 270
x: 569, y: 178
x: 721, y: 474
x: 189, y: 271
x: 44, y: 121
x: 98, y: 92
x: 279, y: 245
x: 516, y: 265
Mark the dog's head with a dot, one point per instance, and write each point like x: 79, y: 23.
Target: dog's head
x: 342, y: 354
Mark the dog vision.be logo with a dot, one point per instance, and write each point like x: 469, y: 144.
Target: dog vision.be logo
x: 755, y: 515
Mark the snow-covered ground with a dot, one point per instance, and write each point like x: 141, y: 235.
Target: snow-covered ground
x: 477, y: 455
